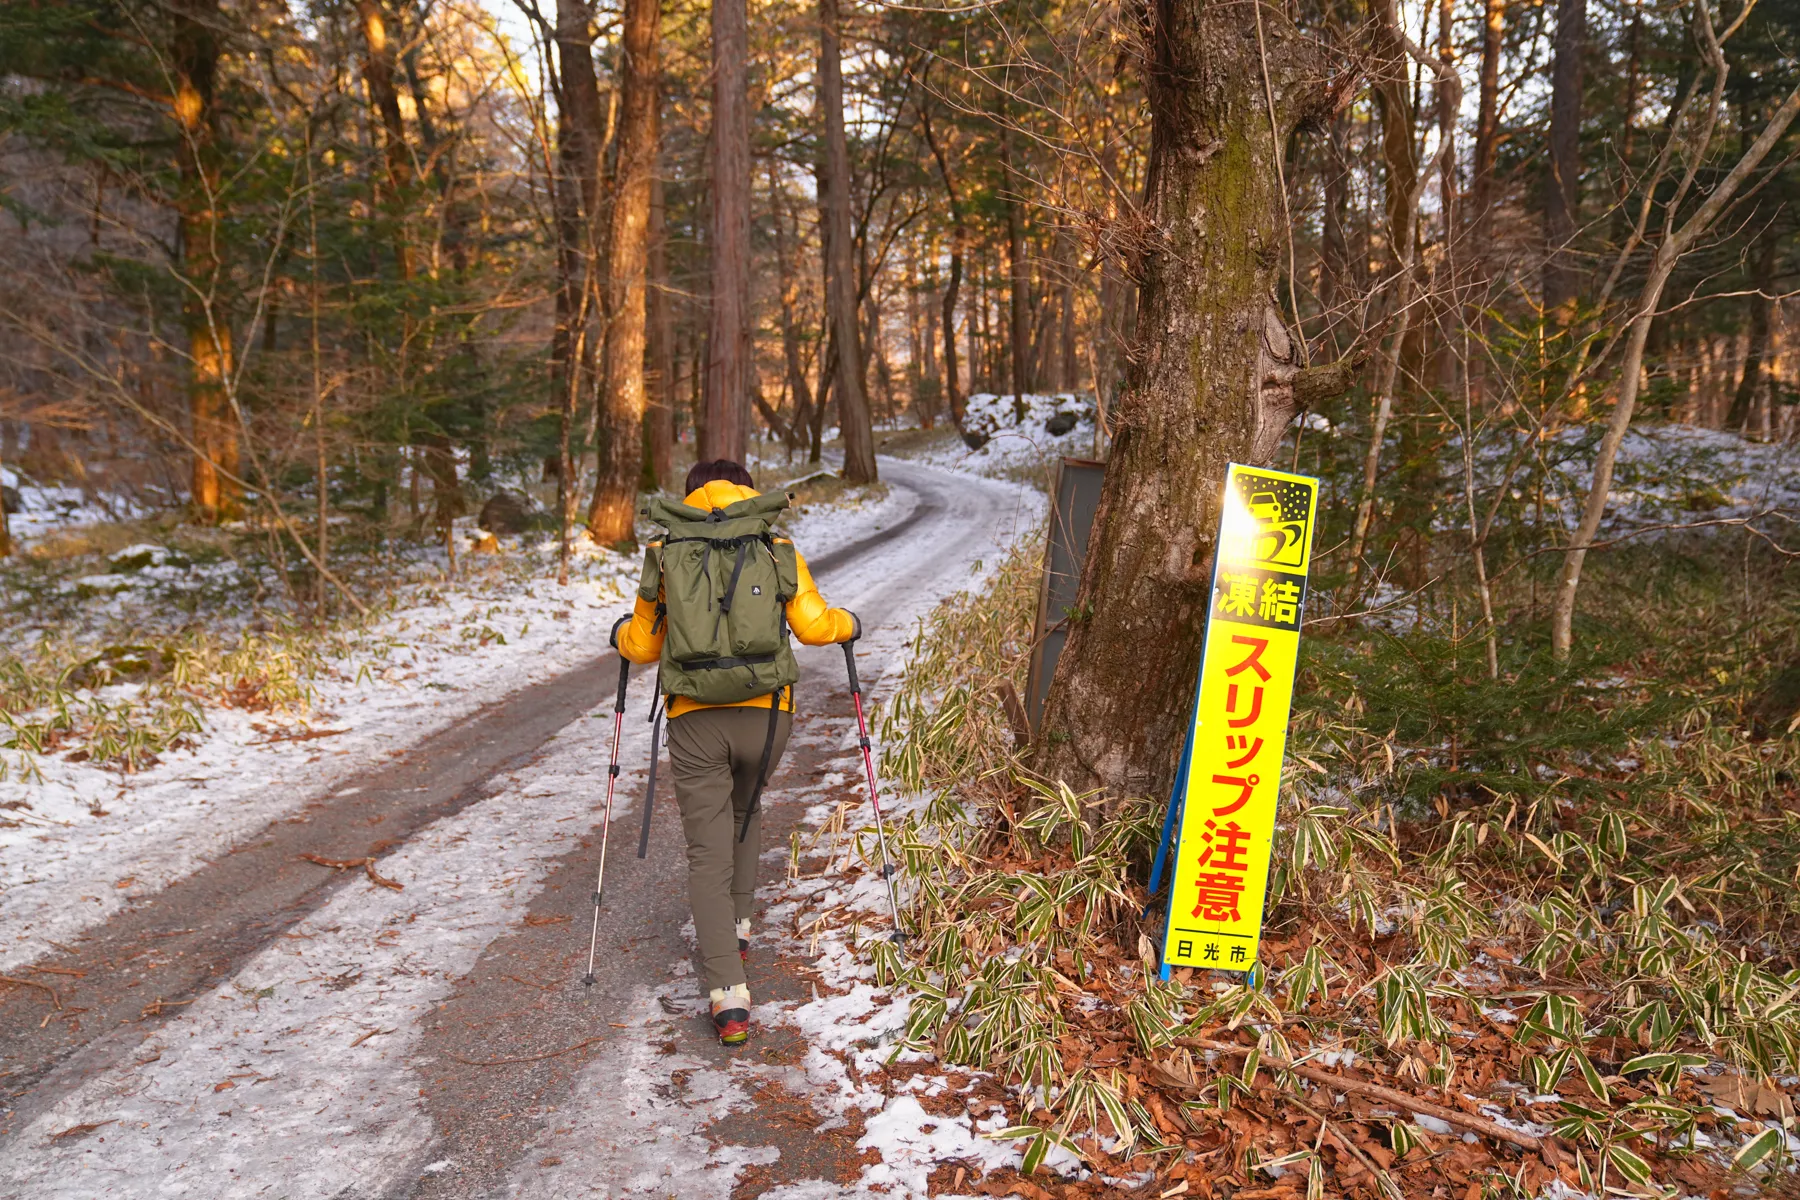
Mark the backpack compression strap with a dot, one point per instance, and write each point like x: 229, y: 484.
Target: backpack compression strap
x: 762, y: 770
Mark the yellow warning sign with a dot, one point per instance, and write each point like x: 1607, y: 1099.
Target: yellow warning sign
x: 1239, y: 734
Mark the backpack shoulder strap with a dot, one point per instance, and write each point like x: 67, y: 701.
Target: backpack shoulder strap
x: 650, y: 581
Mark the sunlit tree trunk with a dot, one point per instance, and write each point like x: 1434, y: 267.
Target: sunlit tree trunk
x: 840, y: 277
x: 194, y: 56
x: 378, y: 73
x: 1487, y: 126
x: 1214, y: 379
x: 614, y: 509
x: 725, y: 432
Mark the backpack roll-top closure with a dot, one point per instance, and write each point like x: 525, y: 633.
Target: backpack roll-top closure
x: 725, y: 584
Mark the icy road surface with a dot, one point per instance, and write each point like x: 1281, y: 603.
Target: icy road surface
x: 435, y: 1040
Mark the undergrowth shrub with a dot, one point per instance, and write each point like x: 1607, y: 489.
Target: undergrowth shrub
x: 125, y: 705
x: 1574, y: 882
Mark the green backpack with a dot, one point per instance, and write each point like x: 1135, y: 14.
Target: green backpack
x: 721, y: 584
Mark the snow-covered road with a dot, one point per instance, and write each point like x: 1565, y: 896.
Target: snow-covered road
x: 304, y: 1073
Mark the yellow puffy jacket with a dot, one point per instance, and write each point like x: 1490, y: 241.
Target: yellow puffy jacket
x: 813, y: 621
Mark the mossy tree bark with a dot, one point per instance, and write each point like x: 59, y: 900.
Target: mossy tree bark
x: 1214, y: 379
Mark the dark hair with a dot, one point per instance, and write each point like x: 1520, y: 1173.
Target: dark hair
x: 705, y: 471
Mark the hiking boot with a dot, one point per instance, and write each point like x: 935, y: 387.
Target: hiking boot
x: 731, y: 1014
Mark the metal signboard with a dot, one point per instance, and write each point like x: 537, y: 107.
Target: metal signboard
x: 1073, y: 502
x: 1223, y: 810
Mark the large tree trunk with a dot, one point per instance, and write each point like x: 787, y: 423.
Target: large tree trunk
x: 797, y: 383
x: 1401, y: 166
x: 1487, y: 126
x: 1213, y: 380
x: 1018, y: 283
x: 1337, y: 277
x: 378, y: 73
x: 827, y: 366
x: 1762, y: 306
x: 568, y: 338
x: 1067, y: 372
x: 725, y: 432
x: 1479, y: 213
x: 1399, y: 150
x: 953, y: 396
x: 380, y: 29
x: 621, y: 442
x: 659, y: 419
x: 840, y: 277
x: 1562, y: 184
x: 574, y: 197
x: 194, y: 56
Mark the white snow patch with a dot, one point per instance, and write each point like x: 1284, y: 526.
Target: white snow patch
x: 1018, y: 446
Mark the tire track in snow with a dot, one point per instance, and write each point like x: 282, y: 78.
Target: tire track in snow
x: 193, y: 933
x: 298, y: 1077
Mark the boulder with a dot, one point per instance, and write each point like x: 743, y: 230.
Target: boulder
x: 974, y: 439
x: 10, y: 499
x: 117, y: 663
x: 1061, y: 423
x: 507, y: 512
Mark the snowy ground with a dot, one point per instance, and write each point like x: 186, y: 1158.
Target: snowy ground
x: 79, y: 841
x: 1671, y: 474
x: 288, y: 1081
x: 295, y: 1080
x: 47, y: 507
x: 1017, y: 447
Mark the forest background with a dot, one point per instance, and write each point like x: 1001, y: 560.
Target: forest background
x: 297, y: 263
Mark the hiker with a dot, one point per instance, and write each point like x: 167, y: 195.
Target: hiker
x: 718, y: 597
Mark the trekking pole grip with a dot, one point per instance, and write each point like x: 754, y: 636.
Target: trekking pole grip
x: 850, y: 665
x: 624, y: 663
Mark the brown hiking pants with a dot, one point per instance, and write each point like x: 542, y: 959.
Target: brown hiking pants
x: 715, y: 753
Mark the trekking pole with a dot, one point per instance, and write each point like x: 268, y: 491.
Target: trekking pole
x: 862, y: 727
x: 612, y: 779
x: 656, y: 716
